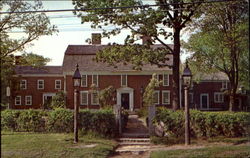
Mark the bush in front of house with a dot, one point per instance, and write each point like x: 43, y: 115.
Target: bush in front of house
x: 8, y: 119
x: 101, y: 122
x: 208, y: 124
x: 31, y: 121
x: 60, y: 120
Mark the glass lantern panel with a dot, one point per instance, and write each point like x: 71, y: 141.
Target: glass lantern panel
x: 186, y: 80
x: 76, y: 82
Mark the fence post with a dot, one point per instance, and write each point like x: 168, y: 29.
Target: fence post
x: 151, y: 115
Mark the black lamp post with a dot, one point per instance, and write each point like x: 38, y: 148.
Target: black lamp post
x: 187, y: 78
x: 76, y: 84
x: 141, y: 91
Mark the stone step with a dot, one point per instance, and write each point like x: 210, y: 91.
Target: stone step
x: 135, y: 135
x: 134, y: 140
x: 133, y: 148
x: 134, y: 143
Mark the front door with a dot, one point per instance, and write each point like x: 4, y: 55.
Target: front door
x: 204, y: 101
x: 125, y: 100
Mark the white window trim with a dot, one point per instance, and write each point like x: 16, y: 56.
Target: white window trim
x: 81, y: 103
x: 16, y: 100
x: 218, y: 101
x: 38, y: 84
x: 158, y: 97
x: 164, y: 78
x: 25, y: 85
x: 85, y: 82
x: 126, y: 80
x: 97, y: 80
x: 26, y: 100
x: 204, y: 94
x: 166, y: 91
x: 60, y: 84
x: 92, y: 99
x: 224, y: 85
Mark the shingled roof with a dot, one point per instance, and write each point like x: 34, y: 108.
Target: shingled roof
x: 216, y: 76
x: 45, y: 70
x: 84, y: 55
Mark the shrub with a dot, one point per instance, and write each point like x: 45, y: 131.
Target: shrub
x: 100, y: 121
x: 60, y: 120
x: 143, y: 112
x: 31, y: 120
x: 209, y: 124
x: 58, y: 101
x: 8, y: 119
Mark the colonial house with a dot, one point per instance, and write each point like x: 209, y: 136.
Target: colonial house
x: 39, y: 85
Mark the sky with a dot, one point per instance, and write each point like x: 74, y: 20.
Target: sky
x: 71, y: 32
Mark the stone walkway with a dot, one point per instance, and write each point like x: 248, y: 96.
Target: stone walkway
x: 134, y: 141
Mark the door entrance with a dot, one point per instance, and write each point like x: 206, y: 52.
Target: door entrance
x: 125, y: 100
x: 204, y: 101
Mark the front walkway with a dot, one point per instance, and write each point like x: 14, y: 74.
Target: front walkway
x: 135, y: 128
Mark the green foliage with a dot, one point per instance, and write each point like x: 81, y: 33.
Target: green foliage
x: 143, y: 112
x: 222, y: 43
x: 31, y: 120
x: 58, y: 101
x: 31, y: 59
x: 167, y: 140
x: 105, y: 96
x: 148, y: 95
x: 8, y: 119
x: 60, y: 120
x: 207, y: 124
x: 101, y: 122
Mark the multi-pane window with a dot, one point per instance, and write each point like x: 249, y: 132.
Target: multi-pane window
x: 156, y: 97
x: 165, y: 97
x: 124, y: 80
x: 84, y: 97
x: 40, y: 84
x: 23, y: 84
x: 57, y: 84
x: 224, y: 85
x: 28, y: 100
x: 218, y: 97
x: 94, y: 98
x: 95, y: 80
x: 84, y: 81
x: 18, y: 100
x: 165, y: 80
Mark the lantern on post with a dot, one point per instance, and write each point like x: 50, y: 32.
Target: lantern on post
x: 76, y: 84
x: 187, y: 78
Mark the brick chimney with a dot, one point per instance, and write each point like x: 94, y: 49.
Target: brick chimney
x: 146, y: 39
x: 96, y: 38
x: 17, y: 60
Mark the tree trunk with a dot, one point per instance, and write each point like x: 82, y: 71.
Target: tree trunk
x: 176, y: 63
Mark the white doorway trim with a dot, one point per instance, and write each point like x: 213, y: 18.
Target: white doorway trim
x: 131, y: 96
x: 45, y: 95
x: 204, y: 94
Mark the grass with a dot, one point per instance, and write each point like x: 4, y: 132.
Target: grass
x: 242, y: 151
x: 29, y: 145
x: 218, y: 147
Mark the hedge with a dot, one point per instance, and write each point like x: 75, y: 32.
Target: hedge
x: 59, y: 120
x: 204, y: 124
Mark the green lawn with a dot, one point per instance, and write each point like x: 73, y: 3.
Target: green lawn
x: 18, y: 144
x: 231, y: 151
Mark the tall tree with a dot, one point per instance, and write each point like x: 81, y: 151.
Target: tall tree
x: 221, y: 42
x: 33, y: 25
x: 148, y: 21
